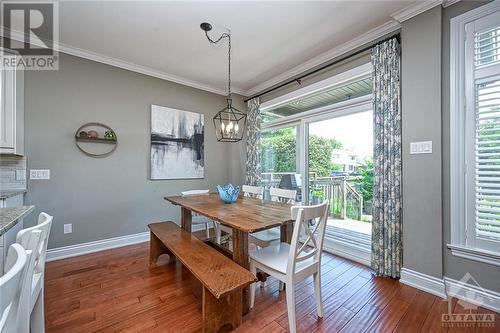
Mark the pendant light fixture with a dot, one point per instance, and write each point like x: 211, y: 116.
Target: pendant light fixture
x: 229, y: 122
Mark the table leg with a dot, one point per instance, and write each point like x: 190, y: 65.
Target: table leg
x: 286, y: 232
x: 186, y: 218
x: 240, y: 256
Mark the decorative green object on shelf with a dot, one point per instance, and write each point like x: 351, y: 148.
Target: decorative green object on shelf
x: 110, y: 135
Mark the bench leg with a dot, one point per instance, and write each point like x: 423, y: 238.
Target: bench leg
x: 156, y: 249
x: 223, y: 314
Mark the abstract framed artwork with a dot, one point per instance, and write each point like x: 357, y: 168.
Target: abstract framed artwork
x: 177, y: 144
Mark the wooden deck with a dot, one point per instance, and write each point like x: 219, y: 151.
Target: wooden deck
x: 115, y: 291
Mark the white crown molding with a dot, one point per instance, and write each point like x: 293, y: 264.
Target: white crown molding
x: 142, y: 69
x: 423, y: 282
x: 97, y: 57
x: 415, y: 9
x: 378, y: 32
x: 447, y: 3
x: 359, y: 41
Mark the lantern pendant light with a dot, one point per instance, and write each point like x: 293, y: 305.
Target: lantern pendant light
x: 229, y: 122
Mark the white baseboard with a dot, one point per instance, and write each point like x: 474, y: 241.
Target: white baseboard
x: 348, y: 251
x: 423, y: 282
x: 463, y: 290
x: 100, y: 245
x: 474, y: 294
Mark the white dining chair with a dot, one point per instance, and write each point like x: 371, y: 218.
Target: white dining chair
x: 250, y: 191
x: 292, y: 263
x: 200, y: 219
x: 10, y: 288
x: 31, y: 246
x: 264, y: 238
x: 36, y: 275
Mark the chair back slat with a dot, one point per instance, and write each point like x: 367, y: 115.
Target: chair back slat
x: 10, y: 287
x: 194, y: 192
x: 24, y: 238
x: 25, y: 305
x: 282, y: 195
x: 255, y: 192
x: 310, y: 221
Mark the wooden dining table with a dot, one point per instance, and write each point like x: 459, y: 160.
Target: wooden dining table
x: 245, y: 216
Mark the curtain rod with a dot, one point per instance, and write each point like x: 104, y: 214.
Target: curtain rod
x: 297, y: 79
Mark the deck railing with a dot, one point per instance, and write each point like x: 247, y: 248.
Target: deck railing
x: 340, y: 191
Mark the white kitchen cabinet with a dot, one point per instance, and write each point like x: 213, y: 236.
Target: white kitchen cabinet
x: 11, y: 111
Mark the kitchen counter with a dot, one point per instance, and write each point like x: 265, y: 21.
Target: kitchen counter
x: 10, y: 193
x: 10, y: 216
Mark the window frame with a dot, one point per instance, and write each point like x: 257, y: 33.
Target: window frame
x: 462, y: 98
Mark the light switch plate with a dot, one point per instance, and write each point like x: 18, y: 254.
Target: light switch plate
x: 421, y: 147
x: 39, y: 174
x: 68, y: 228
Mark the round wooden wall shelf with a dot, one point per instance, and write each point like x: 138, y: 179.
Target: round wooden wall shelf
x: 96, y: 139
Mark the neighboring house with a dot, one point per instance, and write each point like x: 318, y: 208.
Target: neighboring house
x: 349, y: 161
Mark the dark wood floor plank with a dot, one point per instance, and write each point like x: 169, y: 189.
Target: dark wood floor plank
x: 434, y: 321
x: 362, y: 320
x: 416, y: 314
x: 487, y: 326
x: 390, y: 316
x: 117, y: 291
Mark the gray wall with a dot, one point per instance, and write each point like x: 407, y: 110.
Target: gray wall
x: 421, y: 118
x: 426, y: 110
x: 488, y: 276
x: 112, y: 196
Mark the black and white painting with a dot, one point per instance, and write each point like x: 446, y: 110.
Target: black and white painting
x: 177, y: 144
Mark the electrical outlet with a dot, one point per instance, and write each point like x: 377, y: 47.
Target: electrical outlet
x: 68, y: 228
x: 40, y: 174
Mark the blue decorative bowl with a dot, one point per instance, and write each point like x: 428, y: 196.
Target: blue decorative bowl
x: 228, y: 193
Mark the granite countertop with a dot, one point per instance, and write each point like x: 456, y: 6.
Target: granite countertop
x: 10, y: 193
x: 10, y: 216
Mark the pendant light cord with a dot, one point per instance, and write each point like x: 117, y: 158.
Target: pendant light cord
x: 228, y: 36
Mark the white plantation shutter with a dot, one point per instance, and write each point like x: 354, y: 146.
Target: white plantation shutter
x: 487, y: 47
x: 487, y: 164
x: 482, y: 137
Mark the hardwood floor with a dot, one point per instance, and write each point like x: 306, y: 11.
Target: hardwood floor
x: 116, y: 291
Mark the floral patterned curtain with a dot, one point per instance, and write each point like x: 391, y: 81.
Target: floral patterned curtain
x: 253, y: 143
x: 387, y: 200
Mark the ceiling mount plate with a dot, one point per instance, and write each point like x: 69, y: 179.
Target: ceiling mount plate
x: 205, y: 26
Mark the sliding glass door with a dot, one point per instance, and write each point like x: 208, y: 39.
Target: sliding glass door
x: 340, y: 163
x: 280, y: 159
x: 320, y: 143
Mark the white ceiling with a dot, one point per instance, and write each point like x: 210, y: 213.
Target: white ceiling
x: 268, y: 38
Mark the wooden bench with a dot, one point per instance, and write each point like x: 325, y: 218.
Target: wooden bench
x: 222, y: 278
